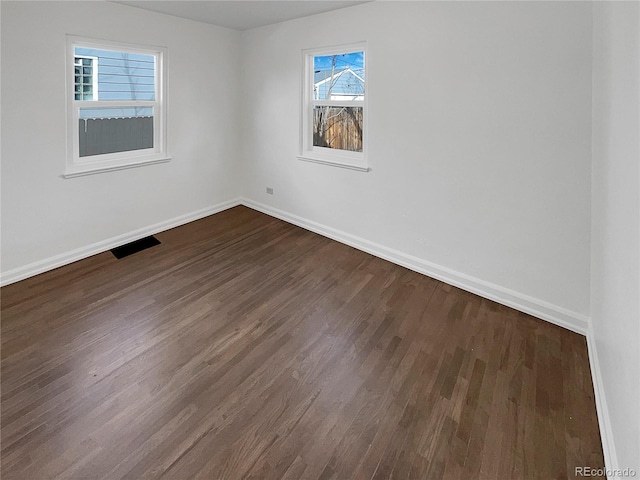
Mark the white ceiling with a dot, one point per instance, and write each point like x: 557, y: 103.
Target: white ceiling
x: 240, y: 14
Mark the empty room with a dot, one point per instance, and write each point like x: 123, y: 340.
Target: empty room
x: 320, y: 240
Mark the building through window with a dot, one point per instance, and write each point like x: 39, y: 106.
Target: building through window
x: 84, y: 78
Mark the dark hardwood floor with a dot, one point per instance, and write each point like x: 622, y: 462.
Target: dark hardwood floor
x: 245, y: 347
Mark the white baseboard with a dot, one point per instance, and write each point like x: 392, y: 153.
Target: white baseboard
x: 552, y: 313
x: 56, y: 261
x: 604, y: 422
x: 573, y: 321
x: 538, y: 308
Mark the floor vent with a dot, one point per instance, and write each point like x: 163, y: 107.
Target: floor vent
x: 135, y: 247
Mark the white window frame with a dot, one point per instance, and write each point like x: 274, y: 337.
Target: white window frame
x: 324, y: 155
x: 76, y: 165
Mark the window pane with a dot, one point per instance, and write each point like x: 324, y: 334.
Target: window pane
x: 338, y: 127
x: 119, y: 75
x: 110, y: 130
x: 339, y: 77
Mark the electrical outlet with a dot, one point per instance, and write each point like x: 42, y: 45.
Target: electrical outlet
x: 422, y: 241
x: 270, y: 190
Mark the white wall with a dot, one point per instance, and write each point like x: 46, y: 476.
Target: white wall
x: 479, y: 139
x: 615, y: 267
x: 45, y: 215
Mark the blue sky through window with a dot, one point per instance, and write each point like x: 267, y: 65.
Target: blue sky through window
x: 353, y: 60
x: 348, y: 80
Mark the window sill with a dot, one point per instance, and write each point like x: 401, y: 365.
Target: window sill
x: 335, y: 163
x: 89, y: 169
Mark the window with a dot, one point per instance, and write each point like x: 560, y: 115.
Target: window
x: 85, y: 82
x: 334, y: 107
x: 116, y: 106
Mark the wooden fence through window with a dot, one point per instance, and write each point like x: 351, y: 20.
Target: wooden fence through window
x: 109, y: 135
x: 338, y: 127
